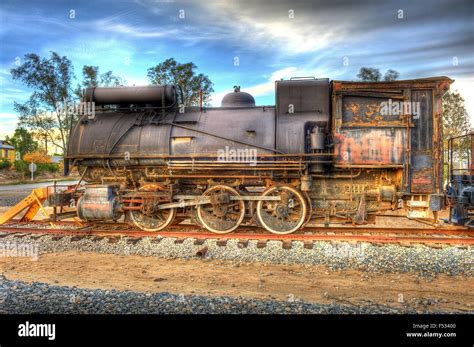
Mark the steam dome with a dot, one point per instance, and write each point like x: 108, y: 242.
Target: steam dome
x: 238, y: 99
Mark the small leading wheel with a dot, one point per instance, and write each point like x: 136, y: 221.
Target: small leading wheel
x: 222, y: 215
x: 154, y: 222
x: 286, y: 215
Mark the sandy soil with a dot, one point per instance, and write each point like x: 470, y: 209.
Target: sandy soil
x: 256, y: 280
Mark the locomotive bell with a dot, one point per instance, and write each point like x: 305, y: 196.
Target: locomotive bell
x: 238, y: 99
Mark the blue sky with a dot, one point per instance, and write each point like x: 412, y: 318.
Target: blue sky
x: 271, y: 39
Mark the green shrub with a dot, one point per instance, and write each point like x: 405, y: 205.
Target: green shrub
x: 21, y: 166
x: 47, y: 167
x: 5, y: 164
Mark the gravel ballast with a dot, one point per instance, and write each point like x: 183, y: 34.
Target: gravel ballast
x: 18, y: 297
x: 420, y: 259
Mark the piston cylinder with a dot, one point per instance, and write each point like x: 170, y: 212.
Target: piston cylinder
x: 99, y: 202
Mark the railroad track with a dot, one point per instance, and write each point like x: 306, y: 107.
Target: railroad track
x: 429, y: 236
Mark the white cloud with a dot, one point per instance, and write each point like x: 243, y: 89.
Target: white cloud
x: 127, y: 29
x: 265, y: 27
x: 8, y: 123
x: 233, y: 23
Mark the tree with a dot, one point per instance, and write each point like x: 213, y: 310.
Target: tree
x: 92, y: 78
x: 23, y: 142
x: 391, y: 75
x: 38, y: 157
x: 371, y: 74
x: 455, y: 117
x: 456, y: 122
x: 182, y: 75
x: 109, y: 80
x: 50, y: 78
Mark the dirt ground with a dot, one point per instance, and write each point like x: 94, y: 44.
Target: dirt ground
x: 255, y: 280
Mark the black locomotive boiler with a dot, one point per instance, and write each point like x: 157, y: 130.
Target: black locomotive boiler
x: 326, y: 151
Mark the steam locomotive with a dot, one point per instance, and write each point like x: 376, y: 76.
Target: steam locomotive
x: 327, y: 151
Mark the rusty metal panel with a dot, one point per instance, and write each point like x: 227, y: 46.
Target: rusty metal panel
x: 365, y: 133
x: 354, y: 109
x: 369, y: 111
x: 422, y: 167
x: 379, y: 146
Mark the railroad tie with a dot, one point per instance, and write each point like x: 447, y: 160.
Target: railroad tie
x: 20, y: 236
x: 37, y: 237
x: 199, y: 242
x: 437, y: 246
x: 113, y: 239
x: 133, y: 240
x: 221, y: 243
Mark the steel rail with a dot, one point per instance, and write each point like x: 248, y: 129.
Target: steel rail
x: 446, y: 230
x: 371, y: 238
